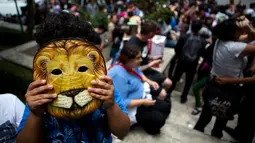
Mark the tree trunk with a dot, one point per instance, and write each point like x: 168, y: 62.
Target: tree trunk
x: 30, y: 19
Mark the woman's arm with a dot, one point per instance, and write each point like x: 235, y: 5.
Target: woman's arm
x: 140, y: 102
x: 151, y: 64
x: 244, y: 24
x: 135, y: 103
x: 145, y: 79
x: 249, y: 50
x: 150, y: 82
x: 32, y: 131
x: 243, y: 38
x: 119, y: 122
x: 230, y: 80
x: 251, y: 33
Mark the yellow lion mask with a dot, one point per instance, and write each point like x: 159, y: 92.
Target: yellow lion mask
x: 70, y: 66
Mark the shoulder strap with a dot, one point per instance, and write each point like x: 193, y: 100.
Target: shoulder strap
x: 241, y: 69
x: 187, y: 39
x: 214, y: 51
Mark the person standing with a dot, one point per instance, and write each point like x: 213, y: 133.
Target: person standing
x: 188, y: 51
x: 229, y: 61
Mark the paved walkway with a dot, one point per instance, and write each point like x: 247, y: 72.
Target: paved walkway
x: 178, y: 128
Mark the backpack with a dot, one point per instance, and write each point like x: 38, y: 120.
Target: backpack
x: 191, y: 49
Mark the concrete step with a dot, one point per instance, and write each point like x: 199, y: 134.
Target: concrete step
x: 178, y: 127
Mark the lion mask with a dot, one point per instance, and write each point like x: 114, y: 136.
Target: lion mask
x: 70, y: 66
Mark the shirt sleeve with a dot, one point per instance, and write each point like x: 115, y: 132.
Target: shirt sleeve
x: 236, y: 48
x: 120, y: 84
x: 19, y: 109
x: 24, y: 119
x: 119, y: 100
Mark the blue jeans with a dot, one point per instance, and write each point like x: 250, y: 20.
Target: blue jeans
x: 170, y: 43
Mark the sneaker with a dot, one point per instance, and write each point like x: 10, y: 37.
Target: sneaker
x: 218, y: 135
x: 183, y: 100
x: 231, y: 132
x: 199, y: 129
x: 196, y: 110
x: 153, y: 132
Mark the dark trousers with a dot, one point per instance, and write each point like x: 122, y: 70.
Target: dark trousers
x: 189, y: 69
x: 152, y: 118
x: 212, y: 90
x: 246, y: 124
x: 204, y: 120
x: 246, y: 120
x: 172, y: 66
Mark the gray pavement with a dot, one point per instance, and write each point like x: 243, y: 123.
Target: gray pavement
x: 178, y: 127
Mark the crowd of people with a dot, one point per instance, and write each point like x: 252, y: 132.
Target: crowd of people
x: 221, y: 37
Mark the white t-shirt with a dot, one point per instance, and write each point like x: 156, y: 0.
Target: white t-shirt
x: 11, y: 108
x: 227, y: 61
x: 132, y: 111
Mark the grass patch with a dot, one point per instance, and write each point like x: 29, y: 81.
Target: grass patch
x: 11, y: 37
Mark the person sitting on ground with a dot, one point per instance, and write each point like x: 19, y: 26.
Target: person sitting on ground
x: 145, y: 104
x: 148, y: 30
x: 37, y: 126
x: 11, y: 111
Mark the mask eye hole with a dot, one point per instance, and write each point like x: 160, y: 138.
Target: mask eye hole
x: 56, y: 72
x: 82, y: 69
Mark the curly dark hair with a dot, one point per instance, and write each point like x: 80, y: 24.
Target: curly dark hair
x: 226, y: 30
x: 63, y: 25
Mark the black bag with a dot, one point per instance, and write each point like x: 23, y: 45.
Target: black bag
x: 223, y: 100
x: 191, y: 49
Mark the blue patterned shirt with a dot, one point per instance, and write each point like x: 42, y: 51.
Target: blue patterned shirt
x: 74, y: 131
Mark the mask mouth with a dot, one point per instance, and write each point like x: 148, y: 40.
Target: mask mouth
x: 73, y: 99
x: 72, y: 92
